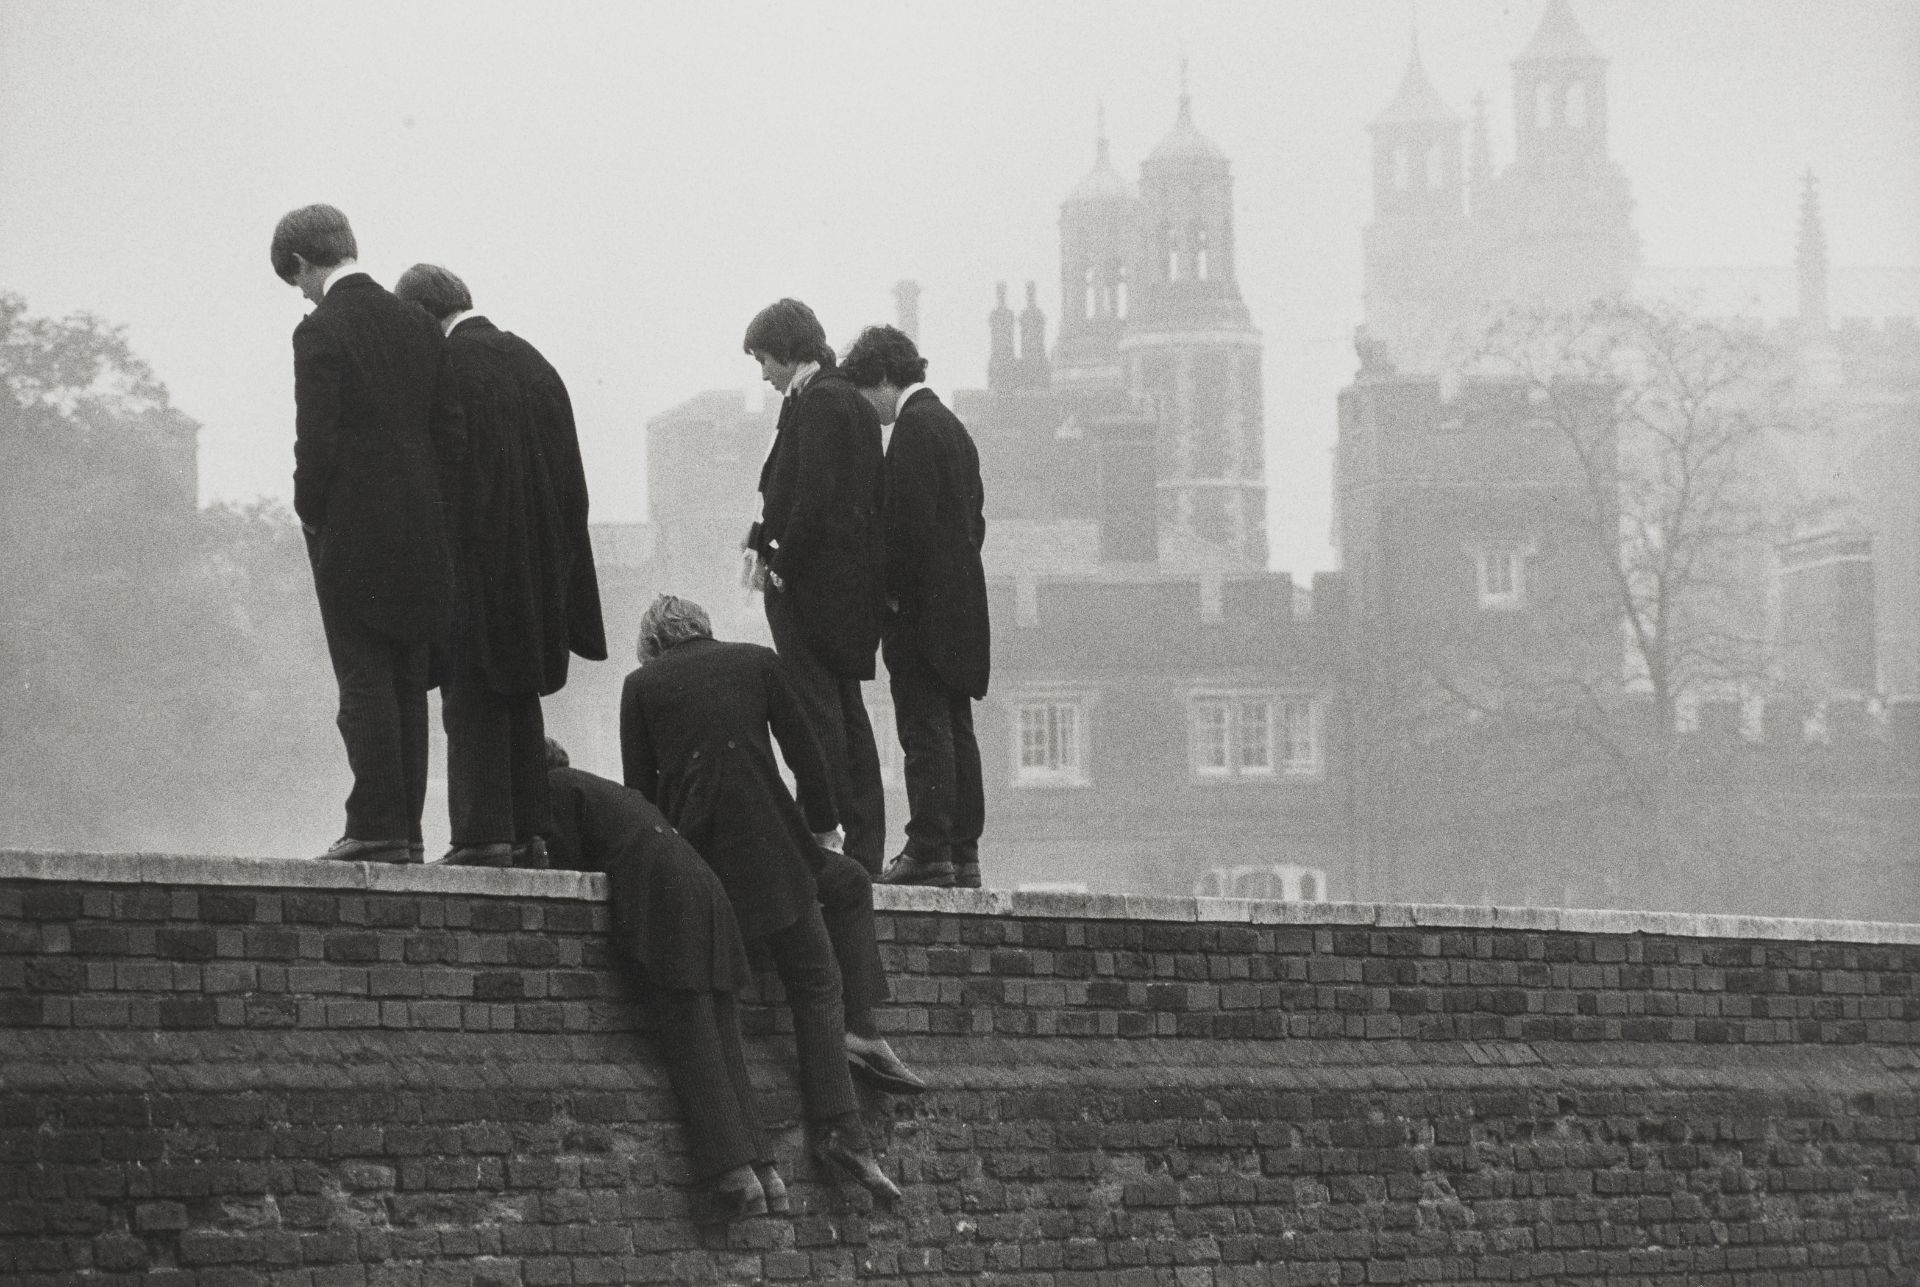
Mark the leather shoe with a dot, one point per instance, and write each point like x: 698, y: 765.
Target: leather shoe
x: 733, y: 1196
x: 872, y: 1061
x: 835, y: 1150
x: 347, y: 849
x: 911, y: 869
x: 774, y: 1187
x: 531, y: 855
x: 493, y: 855
x: 966, y: 875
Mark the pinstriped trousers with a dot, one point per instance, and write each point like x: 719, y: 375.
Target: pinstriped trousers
x: 699, y: 1037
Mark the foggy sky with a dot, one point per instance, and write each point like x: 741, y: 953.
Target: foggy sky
x: 625, y: 185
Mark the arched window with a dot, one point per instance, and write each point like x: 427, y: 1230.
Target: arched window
x: 1091, y: 295
x: 1433, y: 167
x: 1172, y: 243
x: 1197, y: 239
x: 1402, y: 176
x: 1119, y: 289
x: 1542, y: 106
x: 1577, y: 105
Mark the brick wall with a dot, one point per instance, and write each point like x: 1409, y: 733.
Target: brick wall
x: 224, y: 1071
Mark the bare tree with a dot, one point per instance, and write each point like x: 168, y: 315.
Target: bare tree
x: 1675, y: 422
x: 1636, y: 448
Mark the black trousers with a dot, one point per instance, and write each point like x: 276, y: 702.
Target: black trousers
x: 803, y: 958
x: 699, y: 1037
x: 838, y: 716
x: 383, y: 721
x: 496, y: 760
x: 846, y: 906
x: 946, y: 802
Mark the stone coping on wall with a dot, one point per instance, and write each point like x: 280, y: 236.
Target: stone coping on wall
x: 432, y: 878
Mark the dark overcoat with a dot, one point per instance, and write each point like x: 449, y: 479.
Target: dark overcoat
x: 819, y: 530
x: 377, y: 448
x: 694, y: 726
x: 670, y: 915
x: 528, y: 591
x: 935, y: 527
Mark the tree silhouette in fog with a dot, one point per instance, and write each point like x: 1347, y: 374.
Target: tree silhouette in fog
x: 163, y: 683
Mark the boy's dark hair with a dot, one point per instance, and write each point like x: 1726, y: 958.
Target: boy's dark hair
x: 884, y: 355
x: 435, y: 289
x: 787, y: 331
x: 320, y: 234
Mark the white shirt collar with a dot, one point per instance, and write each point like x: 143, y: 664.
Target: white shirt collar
x: 346, y: 268
x: 800, y: 378
x: 446, y: 327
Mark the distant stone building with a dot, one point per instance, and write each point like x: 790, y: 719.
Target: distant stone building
x: 1468, y: 552
x: 1450, y: 241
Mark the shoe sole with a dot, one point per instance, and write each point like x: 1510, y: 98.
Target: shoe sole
x: 867, y: 1075
x: 392, y: 857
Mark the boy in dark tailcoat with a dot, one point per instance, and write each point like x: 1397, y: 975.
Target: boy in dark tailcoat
x: 377, y: 446
x: 524, y: 567
x: 816, y: 552
x: 697, y: 723
x: 675, y: 936
x: 937, y: 643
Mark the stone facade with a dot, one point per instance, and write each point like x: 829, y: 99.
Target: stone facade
x: 228, y: 1071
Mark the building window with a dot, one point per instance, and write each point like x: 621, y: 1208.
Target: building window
x: 1433, y: 168
x: 1198, y: 240
x: 1052, y: 744
x: 1090, y: 298
x: 1255, y: 736
x: 1402, y: 169
x: 1542, y: 106
x: 1118, y: 275
x: 1500, y: 577
x: 1577, y: 106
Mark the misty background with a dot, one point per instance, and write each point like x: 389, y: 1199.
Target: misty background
x: 625, y: 185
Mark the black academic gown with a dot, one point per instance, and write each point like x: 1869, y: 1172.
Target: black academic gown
x: 670, y: 915
x: 529, y: 593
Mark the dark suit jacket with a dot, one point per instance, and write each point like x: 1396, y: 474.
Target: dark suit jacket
x: 377, y: 440
x: 820, y: 526
x: 670, y: 915
x: 935, y: 526
x: 694, y: 726
x: 529, y: 593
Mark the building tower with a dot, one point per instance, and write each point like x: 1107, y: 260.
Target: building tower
x: 1418, y: 272
x: 1098, y: 245
x: 1560, y: 218
x: 1035, y: 371
x: 1002, y: 367
x: 1810, y: 259
x: 1190, y: 354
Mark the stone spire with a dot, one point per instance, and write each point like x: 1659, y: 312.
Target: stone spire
x: 1810, y: 257
x: 1479, y: 158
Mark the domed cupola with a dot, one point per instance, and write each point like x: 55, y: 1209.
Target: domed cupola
x: 1098, y: 233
